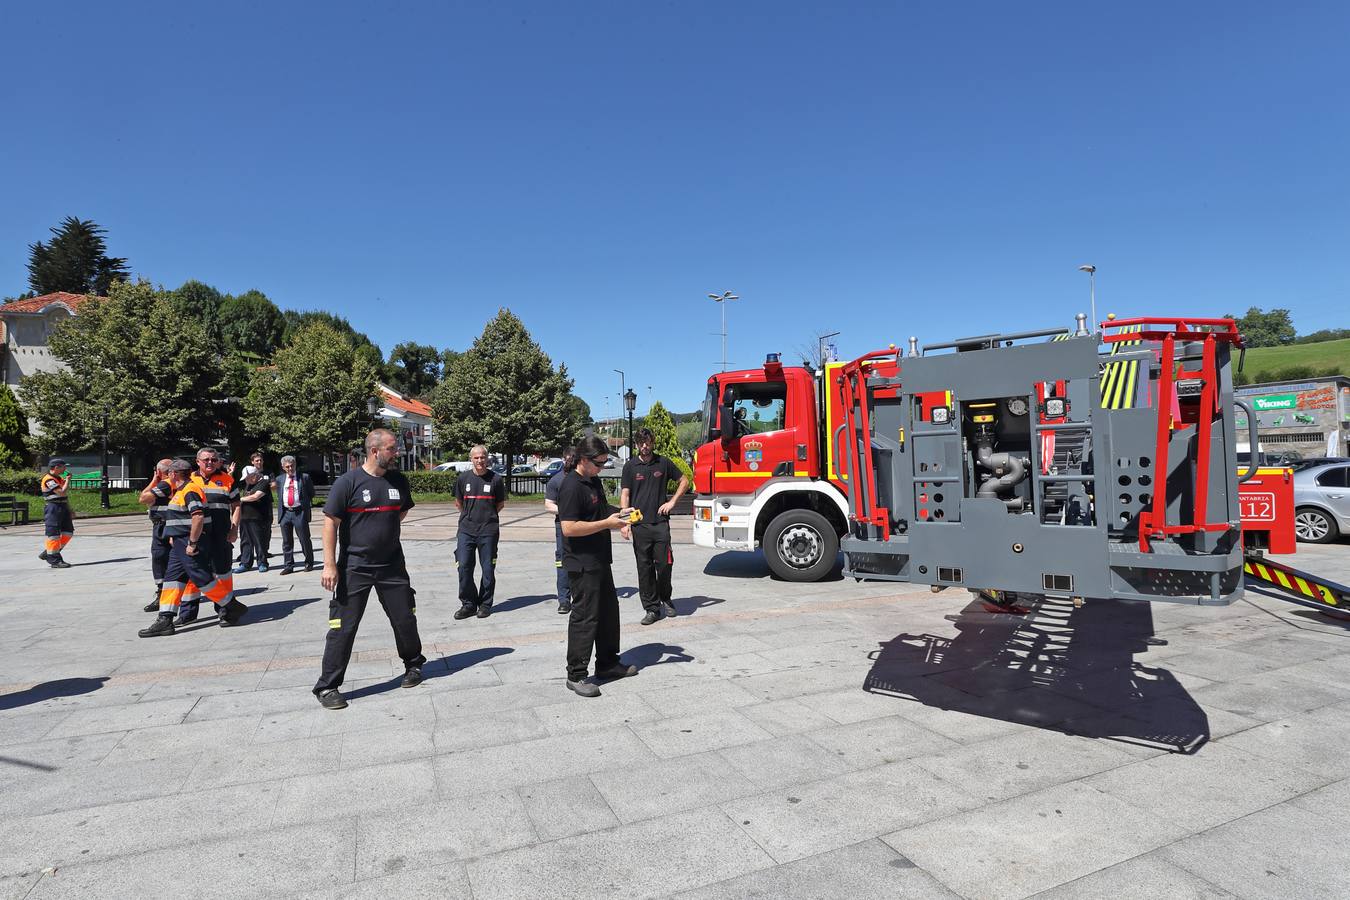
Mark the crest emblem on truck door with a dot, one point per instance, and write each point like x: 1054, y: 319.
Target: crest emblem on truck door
x: 754, y: 451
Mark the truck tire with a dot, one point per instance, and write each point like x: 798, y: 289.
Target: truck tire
x: 1315, y: 526
x: 800, y: 545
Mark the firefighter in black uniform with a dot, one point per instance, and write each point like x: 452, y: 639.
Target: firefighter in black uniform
x: 480, y: 494
x: 187, y: 522
x: 362, y: 550
x: 58, y: 525
x: 156, y: 496
x: 644, y: 486
x: 587, y: 518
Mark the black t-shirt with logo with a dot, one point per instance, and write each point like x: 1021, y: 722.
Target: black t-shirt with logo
x: 479, y: 496
x: 368, y: 507
x: 583, y: 500
x: 646, y: 484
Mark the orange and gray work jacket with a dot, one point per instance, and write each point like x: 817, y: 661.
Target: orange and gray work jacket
x: 50, y: 484
x: 222, y: 494
x: 177, y: 515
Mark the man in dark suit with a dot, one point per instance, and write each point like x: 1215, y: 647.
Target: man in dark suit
x: 295, y: 496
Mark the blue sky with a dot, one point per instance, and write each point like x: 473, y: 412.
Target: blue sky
x: 879, y: 169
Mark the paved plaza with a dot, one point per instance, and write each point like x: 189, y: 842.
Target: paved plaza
x: 835, y: 740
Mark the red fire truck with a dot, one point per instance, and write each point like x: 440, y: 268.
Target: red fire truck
x: 773, y: 471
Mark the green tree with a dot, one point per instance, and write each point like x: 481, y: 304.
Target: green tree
x: 75, y: 259
x: 251, y: 324
x: 664, y: 438
x: 13, y: 430
x: 363, y: 345
x: 202, y: 302
x: 1265, y: 329
x: 313, y: 396
x: 505, y: 393
x: 414, y: 369
x: 689, y: 435
x: 137, y: 359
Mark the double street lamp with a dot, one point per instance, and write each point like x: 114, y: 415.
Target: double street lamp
x: 723, y: 299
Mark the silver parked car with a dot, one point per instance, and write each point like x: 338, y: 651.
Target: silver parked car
x: 1322, y: 502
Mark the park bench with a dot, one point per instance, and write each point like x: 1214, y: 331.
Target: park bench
x: 14, y: 508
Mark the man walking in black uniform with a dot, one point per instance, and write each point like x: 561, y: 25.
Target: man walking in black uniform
x: 156, y: 496
x: 480, y: 494
x: 362, y: 550
x: 644, y: 486
x: 587, y: 519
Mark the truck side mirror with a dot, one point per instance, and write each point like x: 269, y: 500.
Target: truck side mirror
x: 726, y: 420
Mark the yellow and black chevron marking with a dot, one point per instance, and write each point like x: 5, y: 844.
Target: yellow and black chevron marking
x: 1120, y: 380
x: 1304, y: 588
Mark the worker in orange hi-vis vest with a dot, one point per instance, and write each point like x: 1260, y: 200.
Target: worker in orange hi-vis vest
x: 59, y: 525
x: 187, y: 526
x: 222, y: 508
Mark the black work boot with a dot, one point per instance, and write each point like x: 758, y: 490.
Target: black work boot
x: 153, y: 605
x: 187, y: 613
x: 650, y: 617
x: 465, y: 612
x: 43, y: 556
x: 56, y: 562
x: 333, y: 699
x: 232, y: 613
x: 163, y: 626
x: 412, y: 677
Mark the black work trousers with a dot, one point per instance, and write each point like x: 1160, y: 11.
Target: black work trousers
x: 564, y: 589
x: 294, y: 522
x: 594, y: 623
x: 651, y: 546
x: 483, y: 547
x: 348, y: 605
x: 253, y: 539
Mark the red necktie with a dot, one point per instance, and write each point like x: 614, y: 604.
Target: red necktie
x: 290, y: 491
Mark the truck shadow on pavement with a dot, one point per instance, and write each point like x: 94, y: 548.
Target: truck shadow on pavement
x: 50, y: 690
x: 1058, y: 668
x: 751, y: 564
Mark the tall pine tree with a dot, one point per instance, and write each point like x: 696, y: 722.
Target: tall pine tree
x: 13, y: 429
x: 75, y: 260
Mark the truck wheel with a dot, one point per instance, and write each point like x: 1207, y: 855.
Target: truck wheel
x: 800, y: 545
x: 1314, y: 526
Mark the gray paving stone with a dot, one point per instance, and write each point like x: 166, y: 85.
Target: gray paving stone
x: 617, y: 708
x: 375, y: 746
x: 82, y: 786
x: 1272, y: 695
x: 1020, y: 763
x: 566, y: 807
x: 29, y: 727
x: 309, y: 798
x: 1217, y: 785
x: 57, y: 753
x: 544, y: 759
x: 184, y: 739
x: 806, y: 819
x: 261, y: 702
x: 248, y: 866
x: 84, y: 835
x: 123, y: 718
x: 265, y: 762
x: 780, y: 717
x: 488, y: 730
x: 1144, y: 876
x: 441, y: 833
x: 860, y: 871
x: 873, y: 742
x: 653, y: 789
x: 784, y: 761
x: 1332, y: 801
x: 695, y: 696
x: 444, y: 882
x: 1268, y: 855
x: 695, y: 848
x: 1033, y: 842
x: 1301, y: 740
x: 378, y: 711
x: 699, y: 732
x: 17, y: 887
x: 1218, y: 664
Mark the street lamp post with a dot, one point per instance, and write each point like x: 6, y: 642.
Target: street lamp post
x: 724, y: 298
x: 820, y: 349
x: 629, y: 402
x: 1092, y: 291
x: 103, y: 464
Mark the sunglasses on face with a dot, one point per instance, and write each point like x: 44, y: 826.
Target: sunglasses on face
x: 598, y: 460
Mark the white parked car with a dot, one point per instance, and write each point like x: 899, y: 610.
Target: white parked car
x: 462, y: 465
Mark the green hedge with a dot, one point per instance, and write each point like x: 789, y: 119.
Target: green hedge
x: 425, y: 482
x: 19, y: 482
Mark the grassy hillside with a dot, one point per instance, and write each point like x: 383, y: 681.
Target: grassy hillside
x: 1273, y: 363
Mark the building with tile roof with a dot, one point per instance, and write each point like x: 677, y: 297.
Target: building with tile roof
x: 25, y: 326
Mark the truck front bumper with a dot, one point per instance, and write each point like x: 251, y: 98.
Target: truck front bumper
x: 721, y: 527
